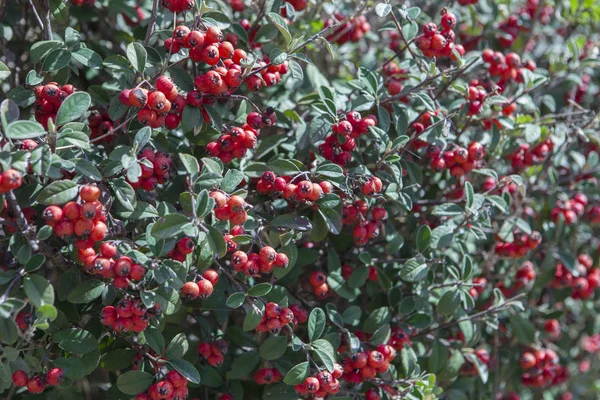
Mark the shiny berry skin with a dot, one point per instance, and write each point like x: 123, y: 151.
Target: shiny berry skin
x: 190, y: 290
x: 448, y: 20
x: 205, y: 288
x: 19, y: 378
x: 185, y: 246
x: 55, y: 376
x: 36, y: 384
x: 429, y: 29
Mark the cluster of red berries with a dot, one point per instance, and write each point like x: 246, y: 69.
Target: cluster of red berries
x: 49, y: 97
x: 100, y: 124
x: 252, y: 264
x: 275, y: 318
x: 424, y: 122
x: 266, y: 376
x: 584, y: 283
x: 469, y: 368
x: 508, y: 68
x: 355, y: 214
x: 270, y: 183
x: 440, y: 43
x: 84, y: 220
x: 524, y: 277
x: 372, y: 276
x: 37, y: 383
x: 173, y: 387
x: 372, y: 186
x: 512, y: 28
x: 129, y: 315
x: 476, y: 96
x: 232, y: 209
x: 213, y: 353
x: 235, y: 142
x: 202, y: 288
x: 318, y: 282
x: 160, y: 107
x: 350, y: 31
x: 121, y: 269
x: 542, y: 368
x: 520, y: 245
x: 394, y: 76
x: 398, y: 338
x: 270, y: 74
x: 10, y: 179
x: 155, y: 167
x: 178, y: 6
x: 322, y: 384
x: 363, y: 366
x: 526, y: 155
x: 24, y: 320
x: 184, y: 247
x: 467, y: 2
x: 459, y: 161
x: 571, y: 209
x: 339, y: 144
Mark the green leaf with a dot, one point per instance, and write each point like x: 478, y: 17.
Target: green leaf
x: 39, y: 50
x: 236, y: 300
x: 134, y: 382
x: 86, y: 291
x: 332, y: 219
x: 137, y: 55
x: 190, y: 164
x: 523, y: 329
x: 178, y: 346
x: 231, y: 180
x: 38, y: 290
x: 441, y: 236
x: 20, y: 130
x: 292, y: 222
x: 154, y: 339
x: 186, y: 369
x: 423, y: 238
x: 56, y: 60
x: 413, y: 271
x: 358, y: 277
x: 261, y: 289
x: 4, y: 71
x: 169, y: 226
x: 273, y: 348
x: 381, y: 335
x: 87, y: 57
x: 326, y: 353
x: 9, y: 332
x: 124, y: 193
x: 281, y: 25
x: 447, y: 210
x: 75, y: 340
x: 87, y: 169
x: 58, y: 192
x: 298, y: 374
x: 253, y: 318
x: 378, y: 317
x: 449, y: 302
x: 216, y: 241
x: 73, y: 107
x: 316, y: 324
x: 243, y: 365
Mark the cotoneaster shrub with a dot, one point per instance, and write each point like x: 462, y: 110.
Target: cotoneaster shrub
x: 301, y: 199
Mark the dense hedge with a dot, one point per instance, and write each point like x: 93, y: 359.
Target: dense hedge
x: 300, y: 199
